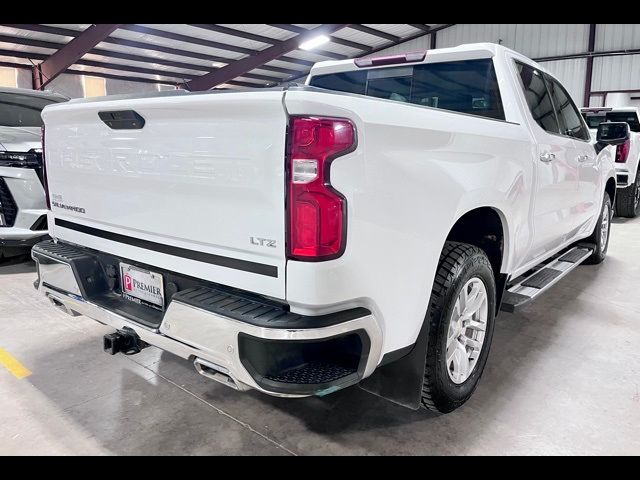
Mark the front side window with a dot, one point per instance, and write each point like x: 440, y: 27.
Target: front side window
x: 17, y: 110
x: 468, y: 86
x: 569, y: 118
x: 538, y: 98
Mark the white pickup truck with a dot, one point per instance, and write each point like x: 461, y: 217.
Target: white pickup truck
x: 627, y: 157
x: 364, y: 228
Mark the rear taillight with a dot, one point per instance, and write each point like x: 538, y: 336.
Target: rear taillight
x: 317, y: 213
x: 622, y: 152
x: 45, y: 182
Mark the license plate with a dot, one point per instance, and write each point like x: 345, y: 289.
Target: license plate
x: 142, y: 286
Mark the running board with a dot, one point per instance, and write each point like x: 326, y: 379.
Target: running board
x: 528, y: 288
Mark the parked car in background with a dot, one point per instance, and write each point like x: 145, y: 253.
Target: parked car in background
x: 627, y: 156
x: 365, y: 228
x: 23, y: 219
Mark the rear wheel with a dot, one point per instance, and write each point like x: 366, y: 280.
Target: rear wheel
x: 628, y: 199
x: 461, y: 315
x: 600, y: 235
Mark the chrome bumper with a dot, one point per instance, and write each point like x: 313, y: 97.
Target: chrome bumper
x: 207, y: 339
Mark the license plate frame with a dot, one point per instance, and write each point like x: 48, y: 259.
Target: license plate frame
x: 142, y: 286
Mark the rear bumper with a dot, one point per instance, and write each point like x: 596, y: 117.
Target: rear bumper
x: 286, y: 361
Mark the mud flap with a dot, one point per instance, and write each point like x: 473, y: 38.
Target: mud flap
x: 399, y: 380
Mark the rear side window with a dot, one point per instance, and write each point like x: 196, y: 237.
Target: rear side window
x: 468, y: 86
x: 571, y: 123
x: 538, y: 98
x: 350, y: 82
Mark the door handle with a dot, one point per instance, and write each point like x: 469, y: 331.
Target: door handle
x: 547, y: 157
x: 584, y: 158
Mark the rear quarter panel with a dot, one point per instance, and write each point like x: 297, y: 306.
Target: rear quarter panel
x: 415, y: 172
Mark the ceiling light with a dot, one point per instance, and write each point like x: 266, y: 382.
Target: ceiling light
x: 314, y: 42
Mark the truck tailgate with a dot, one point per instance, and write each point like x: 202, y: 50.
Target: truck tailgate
x: 199, y: 190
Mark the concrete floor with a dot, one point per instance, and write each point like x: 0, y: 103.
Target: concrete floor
x: 563, y: 377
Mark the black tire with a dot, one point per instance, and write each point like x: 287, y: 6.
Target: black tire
x: 601, y: 247
x: 459, y: 262
x: 628, y: 200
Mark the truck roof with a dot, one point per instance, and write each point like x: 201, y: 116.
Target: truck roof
x: 466, y: 51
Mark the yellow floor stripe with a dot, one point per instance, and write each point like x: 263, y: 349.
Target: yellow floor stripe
x: 13, y: 365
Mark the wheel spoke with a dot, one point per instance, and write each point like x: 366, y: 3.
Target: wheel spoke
x: 452, y: 334
x: 476, y: 345
x: 473, y: 302
x: 466, y: 330
x: 463, y: 364
x: 475, y: 325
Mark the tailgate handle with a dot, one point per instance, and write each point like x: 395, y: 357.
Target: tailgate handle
x: 122, y: 119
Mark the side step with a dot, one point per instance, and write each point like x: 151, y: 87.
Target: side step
x: 530, y: 287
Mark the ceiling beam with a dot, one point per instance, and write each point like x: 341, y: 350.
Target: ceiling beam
x: 236, y: 33
x: 209, y: 43
x: 375, y: 32
x: 58, y: 62
x: 433, y: 29
x: 187, y: 39
x: 420, y: 26
x: 157, y: 48
x: 32, y: 42
x: 339, y: 41
x: 135, y: 58
x: 241, y: 67
x: 200, y: 41
x: 90, y: 63
x: 92, y: 74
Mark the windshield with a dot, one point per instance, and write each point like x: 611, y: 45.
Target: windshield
x: 629, y: 117
x: 17, y: 110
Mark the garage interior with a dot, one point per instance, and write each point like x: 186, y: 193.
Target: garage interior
x: 563, y: 376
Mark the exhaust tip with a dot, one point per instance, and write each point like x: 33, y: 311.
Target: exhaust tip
x: 215, y: 372
x: 61, y: 306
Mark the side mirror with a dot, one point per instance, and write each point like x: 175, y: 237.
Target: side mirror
x: 613, y: 133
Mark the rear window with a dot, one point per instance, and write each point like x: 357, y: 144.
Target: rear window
x: 468, y: 86
x: 18, y: 110
x: 593, y: 120
x: 629, y: 117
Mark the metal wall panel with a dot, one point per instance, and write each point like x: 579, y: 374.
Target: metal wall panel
x: 617, y: 36
x: 533, y: 40
x: 616, y: 73
x: 571, y: 74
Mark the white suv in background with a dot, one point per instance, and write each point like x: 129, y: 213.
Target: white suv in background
x: 627, y: 155
x: 23, y: 219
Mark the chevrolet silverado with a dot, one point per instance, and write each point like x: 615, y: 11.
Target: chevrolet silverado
x: 364, y: 228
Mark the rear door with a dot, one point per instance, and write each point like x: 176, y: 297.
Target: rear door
x: 199, y: 189
x: 556, y: 199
